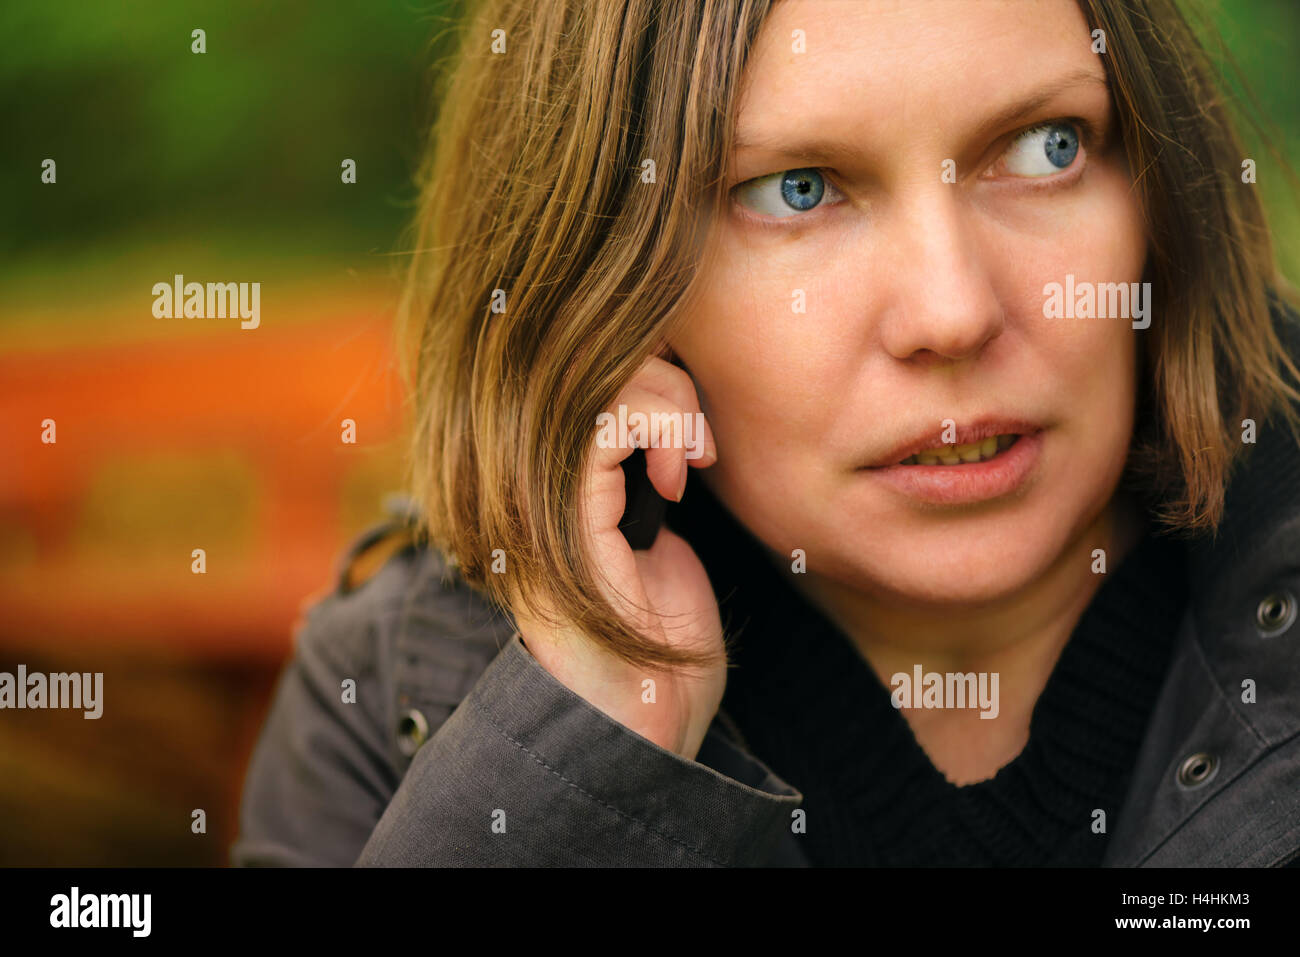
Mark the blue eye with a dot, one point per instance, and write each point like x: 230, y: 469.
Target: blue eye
x: 784, y: 194
x: 1044, y: 150
x: 802, y: 188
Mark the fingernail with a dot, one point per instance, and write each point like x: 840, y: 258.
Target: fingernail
x: 681, y: 480
x: 710, y: 451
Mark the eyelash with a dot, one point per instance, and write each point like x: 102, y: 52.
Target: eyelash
x: 1089, y: 137
x: 784, y: 224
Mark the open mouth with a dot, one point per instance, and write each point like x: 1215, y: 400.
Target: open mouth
x: 970, y: 453
x: 978, y: 470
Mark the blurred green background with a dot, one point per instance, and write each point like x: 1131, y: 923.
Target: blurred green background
x: 220, y: 159
x: 1256, y: 46
x: 226, y: 166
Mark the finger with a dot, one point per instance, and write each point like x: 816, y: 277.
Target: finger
x: 670, y: 381
x: 674, y: 384
x: 661, y: 431
x: 648, y: 421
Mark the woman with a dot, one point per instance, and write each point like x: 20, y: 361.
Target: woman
x: 974, y: 319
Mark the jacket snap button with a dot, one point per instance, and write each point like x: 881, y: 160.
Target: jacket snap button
x: 411, y: 732
x: 1275, y: 614
x: 1197, y: 769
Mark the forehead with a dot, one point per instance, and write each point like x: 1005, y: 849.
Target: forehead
x: 868, y: 67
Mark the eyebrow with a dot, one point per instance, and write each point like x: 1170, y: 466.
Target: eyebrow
x: 827, y: 147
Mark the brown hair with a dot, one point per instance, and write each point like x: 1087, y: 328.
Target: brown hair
x: 1212, y: 357
x: 534, y: 189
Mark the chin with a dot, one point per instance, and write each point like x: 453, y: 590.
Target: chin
x: 951, y: 563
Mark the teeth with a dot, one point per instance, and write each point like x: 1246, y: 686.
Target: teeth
x: 957, y: 454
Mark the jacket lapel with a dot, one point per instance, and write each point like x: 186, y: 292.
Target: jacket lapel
x: 1205, y: 711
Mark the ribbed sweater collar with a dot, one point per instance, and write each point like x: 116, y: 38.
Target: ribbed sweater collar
x: 811, y: 707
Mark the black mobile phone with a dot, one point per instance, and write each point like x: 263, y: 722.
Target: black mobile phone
x: 643, y: 515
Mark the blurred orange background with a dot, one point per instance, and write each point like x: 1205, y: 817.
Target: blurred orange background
x: 201, y: 436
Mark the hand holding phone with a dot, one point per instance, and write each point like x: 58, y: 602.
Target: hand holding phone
x: 650, y: 576
x: 644, y: 512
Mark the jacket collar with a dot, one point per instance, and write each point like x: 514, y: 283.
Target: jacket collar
x: 1226, y: 705
x: 1251, y: 559
x: 1262, y: 494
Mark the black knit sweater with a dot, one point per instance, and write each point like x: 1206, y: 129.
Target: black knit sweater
x: 812, y: 709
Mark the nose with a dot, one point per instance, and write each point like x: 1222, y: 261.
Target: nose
x: 943, y: 306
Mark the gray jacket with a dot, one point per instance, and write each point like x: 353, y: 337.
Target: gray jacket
x: 460, y: 749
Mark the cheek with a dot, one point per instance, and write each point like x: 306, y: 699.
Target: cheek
x: 1096, y: 379
x: 757, y: 364
x: 1095, y: 233
x: 1092, y: 363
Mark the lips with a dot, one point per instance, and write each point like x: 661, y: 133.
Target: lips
x: 980, y: 451
x: 1008, y: 475
x: 972, y: 443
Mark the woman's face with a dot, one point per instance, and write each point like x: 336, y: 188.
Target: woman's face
x: 951, y: 159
